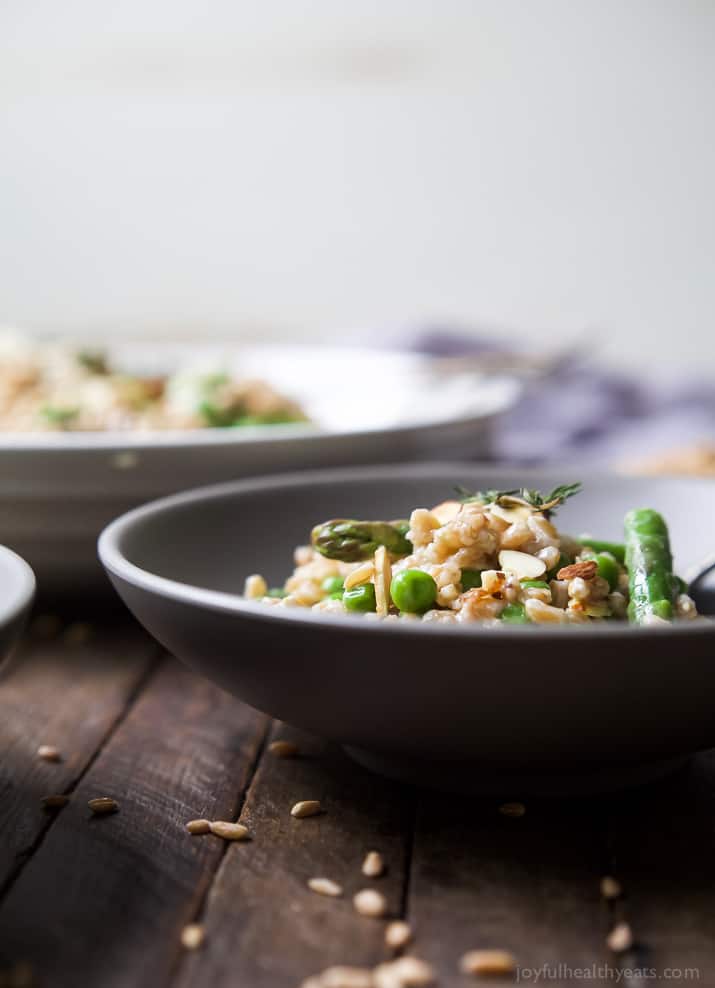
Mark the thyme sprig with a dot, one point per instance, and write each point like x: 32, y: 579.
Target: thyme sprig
x: 546, y: 503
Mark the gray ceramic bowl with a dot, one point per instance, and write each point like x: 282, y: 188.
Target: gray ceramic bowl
x: 17, y: 591
x: 513, y: 709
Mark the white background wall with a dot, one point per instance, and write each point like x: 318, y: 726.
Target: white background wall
x: 299, y: 167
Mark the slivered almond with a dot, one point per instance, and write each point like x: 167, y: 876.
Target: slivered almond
x: 383, y: 578
x: 360, y: 575
x: 586, y: 570
x: 483, y: 963
x: 446, y: 511
x: 521, y: 564
x: 325, y: 886
x: 229, y: 830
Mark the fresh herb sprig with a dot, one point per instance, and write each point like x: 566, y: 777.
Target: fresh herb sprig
x: 546, y: 503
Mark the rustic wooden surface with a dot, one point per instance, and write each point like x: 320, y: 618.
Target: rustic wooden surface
x: 88, y: 900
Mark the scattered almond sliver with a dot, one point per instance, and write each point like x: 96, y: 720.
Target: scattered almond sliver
x: 398, y: 934
x: 446, y: 511
x: 199, y: 826
x: 620, y: 938
x: 383, y: 579
x: 610, y: 887
x: 360, y: 575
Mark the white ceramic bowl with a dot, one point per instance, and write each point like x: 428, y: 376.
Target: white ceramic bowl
x: 58, y: 490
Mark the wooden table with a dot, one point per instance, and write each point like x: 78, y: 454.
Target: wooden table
x: 103, y: 900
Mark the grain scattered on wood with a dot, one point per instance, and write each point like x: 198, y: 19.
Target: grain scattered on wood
x: 306, y: 807
x: 405, y: 972
x: 193, y: 936
x: 103, y: 805
x: 370, y: 902
x: 373, y: 866
x: 228, y: 830
x: 283, y: 749
x: 345, y: 976
x: 485, y: 963
x: 48, y: 753
x: 199, y: 826
x: 513, y: 810
x: 54, y: 802
x: 78, y: 633
x: 325, y: 886
x: 398, y: 934
x: 610, y: 887
x: 620, y: 938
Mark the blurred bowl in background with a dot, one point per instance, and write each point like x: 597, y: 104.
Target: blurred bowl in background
x: 17, y: 592
x: 59, y: 489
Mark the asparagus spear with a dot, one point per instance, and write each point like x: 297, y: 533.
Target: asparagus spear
x: 650, y: 566
x: 351, y: 541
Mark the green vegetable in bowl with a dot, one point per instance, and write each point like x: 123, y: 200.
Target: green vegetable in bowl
x: 514, y: 614
x: 616, y: 549
x: 333, y: 584
x: 471, y: 578
x: 361, y: 598
x: 650, y: 566
x: 413, y: 591
x: 352, y: 541
x: 534, y: 584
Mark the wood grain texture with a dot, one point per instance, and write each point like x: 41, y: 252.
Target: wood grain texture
x: 265, y: 928
x: 104, y: 899
x: 528, y: 885
x: 662, y: 840
x: 69, y: 696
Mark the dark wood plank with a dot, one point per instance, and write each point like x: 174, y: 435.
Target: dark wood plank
x: 530, y: 885
x: 265, y: 928
x: 663, y: 840
x: 66, y: 695
x: 104, y: 899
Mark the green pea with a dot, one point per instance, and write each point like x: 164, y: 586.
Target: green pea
x: 333, y: 584
x: 361, y: 599
x: 608, y: 569
x: 337, y: 595
x: 277, y: 592
x: 471, y: 578
x: 534, y: 584
x: 514, y: 614
x: 413, y: 591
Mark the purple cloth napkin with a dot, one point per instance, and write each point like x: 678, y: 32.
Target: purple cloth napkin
x: 585, y: 413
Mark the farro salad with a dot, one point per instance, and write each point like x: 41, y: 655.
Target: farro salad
x: 50, y: 387
x: 492, y: 557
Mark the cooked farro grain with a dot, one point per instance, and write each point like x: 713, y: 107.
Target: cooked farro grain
x: 493, y: 559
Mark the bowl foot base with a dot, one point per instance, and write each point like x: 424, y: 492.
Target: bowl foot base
x: 491, y: 779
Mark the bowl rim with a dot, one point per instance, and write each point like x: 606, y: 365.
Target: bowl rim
x: 18, y: 597
x: 117, y: 564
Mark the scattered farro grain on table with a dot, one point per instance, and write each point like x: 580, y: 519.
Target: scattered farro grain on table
x: 193, y: 936
x: 199, y: 826
x: 325, y: 886
x: 55, y: 801
x: 373, y: 866
x: 228, y: 830
x: 306, y: 807
x: 103, y: 805
x: 370, y: 902
x: 620, y: 938
x: 610, y: 887
x: 283, y: 749
x: 346, y: 976
x: 398, y: 934
x: 48, y: 753
x: 405, y: 972
x: 513, y: 810
x: 486, y: 963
